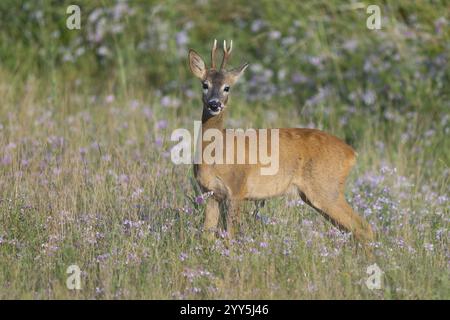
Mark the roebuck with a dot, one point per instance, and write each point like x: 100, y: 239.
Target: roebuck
x: 312, y: 163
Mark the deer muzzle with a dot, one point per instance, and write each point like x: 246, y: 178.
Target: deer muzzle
x: 215, y: 105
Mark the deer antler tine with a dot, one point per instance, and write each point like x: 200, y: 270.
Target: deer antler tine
x: 226, y: 53
x: 213, y: 54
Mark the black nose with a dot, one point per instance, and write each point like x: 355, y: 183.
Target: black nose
x: 214, y: 105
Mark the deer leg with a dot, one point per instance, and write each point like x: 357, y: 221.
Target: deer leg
x: 358, y: 225
x: 212, y: 213
x: 232, y: 217
x: 342, y: 216
x: 346, y: 218
x: 338, y: 212
x: 259, y: 204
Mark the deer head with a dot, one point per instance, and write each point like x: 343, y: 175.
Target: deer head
x: 216, y: 84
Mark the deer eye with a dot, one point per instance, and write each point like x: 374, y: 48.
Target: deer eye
x: 226, y: 88
x: 205, y: 86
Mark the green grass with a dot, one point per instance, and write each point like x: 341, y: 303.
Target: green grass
x: 86, y: 179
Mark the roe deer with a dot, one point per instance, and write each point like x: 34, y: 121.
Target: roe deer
x: 312, y: 163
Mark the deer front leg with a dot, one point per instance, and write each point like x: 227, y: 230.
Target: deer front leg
x: 211, y: 218
x: 232, y: 217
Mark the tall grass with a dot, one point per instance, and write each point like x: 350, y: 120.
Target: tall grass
x: 85, y: 170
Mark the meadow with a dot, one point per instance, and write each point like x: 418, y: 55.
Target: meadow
x: 86, y: 177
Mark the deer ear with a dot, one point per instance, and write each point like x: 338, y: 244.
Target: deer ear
x: 238, y: 72
x: 197, y: 64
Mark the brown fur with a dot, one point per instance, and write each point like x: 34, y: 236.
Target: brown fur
x: 312, y: 163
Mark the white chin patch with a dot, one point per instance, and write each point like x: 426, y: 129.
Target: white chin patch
x: 214, y: 113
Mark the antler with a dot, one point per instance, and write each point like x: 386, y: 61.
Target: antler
x: 213, y: 55
x: 226, y: 53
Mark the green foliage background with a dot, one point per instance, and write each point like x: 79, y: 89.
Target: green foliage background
x: 85, y: 122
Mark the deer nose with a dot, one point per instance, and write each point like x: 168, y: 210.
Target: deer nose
x: 214, y: 104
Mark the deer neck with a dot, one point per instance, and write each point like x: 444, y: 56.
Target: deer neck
x: 208, y: 122
x: 212, y: 122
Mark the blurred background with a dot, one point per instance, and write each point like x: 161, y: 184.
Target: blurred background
x: 310, y: 56
x: 308, y: 52
x: 85, y: 123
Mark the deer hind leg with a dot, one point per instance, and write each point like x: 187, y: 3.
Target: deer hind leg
x: 322, y: 187
x: 359, y: 226
x: 233, y: 217
x: 343, y: 216
x: 333, y: 206
x: 212, y: 213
